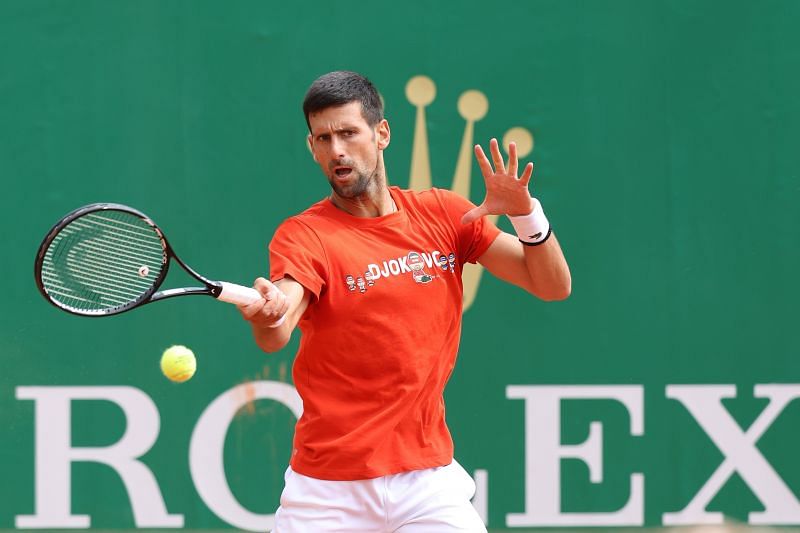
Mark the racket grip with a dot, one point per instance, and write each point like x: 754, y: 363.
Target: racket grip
x: 241, y: 295
x: 238, y: 294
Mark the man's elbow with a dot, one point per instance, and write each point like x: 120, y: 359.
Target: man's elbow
x: 555, y: 292
x: 558, y: 296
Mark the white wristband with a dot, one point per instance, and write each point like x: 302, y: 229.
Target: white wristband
x: 280, y: 321
x: 533, y: 228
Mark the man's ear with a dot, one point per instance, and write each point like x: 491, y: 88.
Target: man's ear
x: 384, y: 134
x: 310, y: 145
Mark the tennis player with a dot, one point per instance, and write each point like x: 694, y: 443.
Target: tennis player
x: 372, y: 277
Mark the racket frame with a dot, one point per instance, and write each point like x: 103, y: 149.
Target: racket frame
x: 211, y: 288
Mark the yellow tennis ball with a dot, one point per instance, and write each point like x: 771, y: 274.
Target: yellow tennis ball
x: 178, y: 363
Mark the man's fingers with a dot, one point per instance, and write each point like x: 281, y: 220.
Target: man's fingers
x: 504, y: 191
x: 513, y: 162
x: 268, y: 290
x: 474, y: 214
x: 483, y: 162
x: 276, y: 305
x: 265, y: 287
x: 278, y: 301
x: 497, y: 157
x: 270, y: 308
x: 526, y: 174
x: 252, y: 309
x: 284, y: 307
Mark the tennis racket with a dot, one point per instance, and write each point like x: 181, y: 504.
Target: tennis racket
x: 105, y: 259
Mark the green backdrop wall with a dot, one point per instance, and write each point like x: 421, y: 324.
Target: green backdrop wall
x: 664, y: 135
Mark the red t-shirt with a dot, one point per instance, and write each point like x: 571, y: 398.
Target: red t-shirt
x: 380, y: 335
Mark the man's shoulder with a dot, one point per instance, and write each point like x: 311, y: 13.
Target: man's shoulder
x: 434, y: 198
x: 303, y: 221
x: 314, y: 210
x: 309, y: 214
x: 430, y: 195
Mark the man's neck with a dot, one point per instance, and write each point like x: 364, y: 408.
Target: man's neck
x: 369, y: 205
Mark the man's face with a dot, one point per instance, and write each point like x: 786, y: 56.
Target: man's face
x: 347, y: 149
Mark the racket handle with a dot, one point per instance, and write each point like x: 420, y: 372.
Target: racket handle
x: 241, y: 295
x: 238, y: 294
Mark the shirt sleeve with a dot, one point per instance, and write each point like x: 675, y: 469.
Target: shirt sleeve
x: 296, y: 251
x: 473, y: 238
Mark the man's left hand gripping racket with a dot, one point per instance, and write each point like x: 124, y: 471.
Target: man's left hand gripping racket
x: 105, y: 259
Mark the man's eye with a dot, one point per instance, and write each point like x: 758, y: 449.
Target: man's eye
x: 323, y: 137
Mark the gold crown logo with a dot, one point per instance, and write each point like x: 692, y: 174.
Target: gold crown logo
x: 472, y: 106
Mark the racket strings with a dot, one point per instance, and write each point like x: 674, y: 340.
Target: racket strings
x: 103, y: 260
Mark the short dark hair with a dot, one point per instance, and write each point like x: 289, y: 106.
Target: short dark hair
x: 340, y: 88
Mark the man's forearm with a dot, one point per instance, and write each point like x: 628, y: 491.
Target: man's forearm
x: 549, y: 274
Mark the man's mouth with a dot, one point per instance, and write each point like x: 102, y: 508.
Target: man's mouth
x: 342, y: 172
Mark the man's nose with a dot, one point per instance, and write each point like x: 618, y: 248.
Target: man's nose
x: 337, y: 148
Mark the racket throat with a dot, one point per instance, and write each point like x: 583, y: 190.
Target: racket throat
x: 183, y: 291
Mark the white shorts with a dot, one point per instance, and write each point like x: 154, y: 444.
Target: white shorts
x: 422, y: 501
